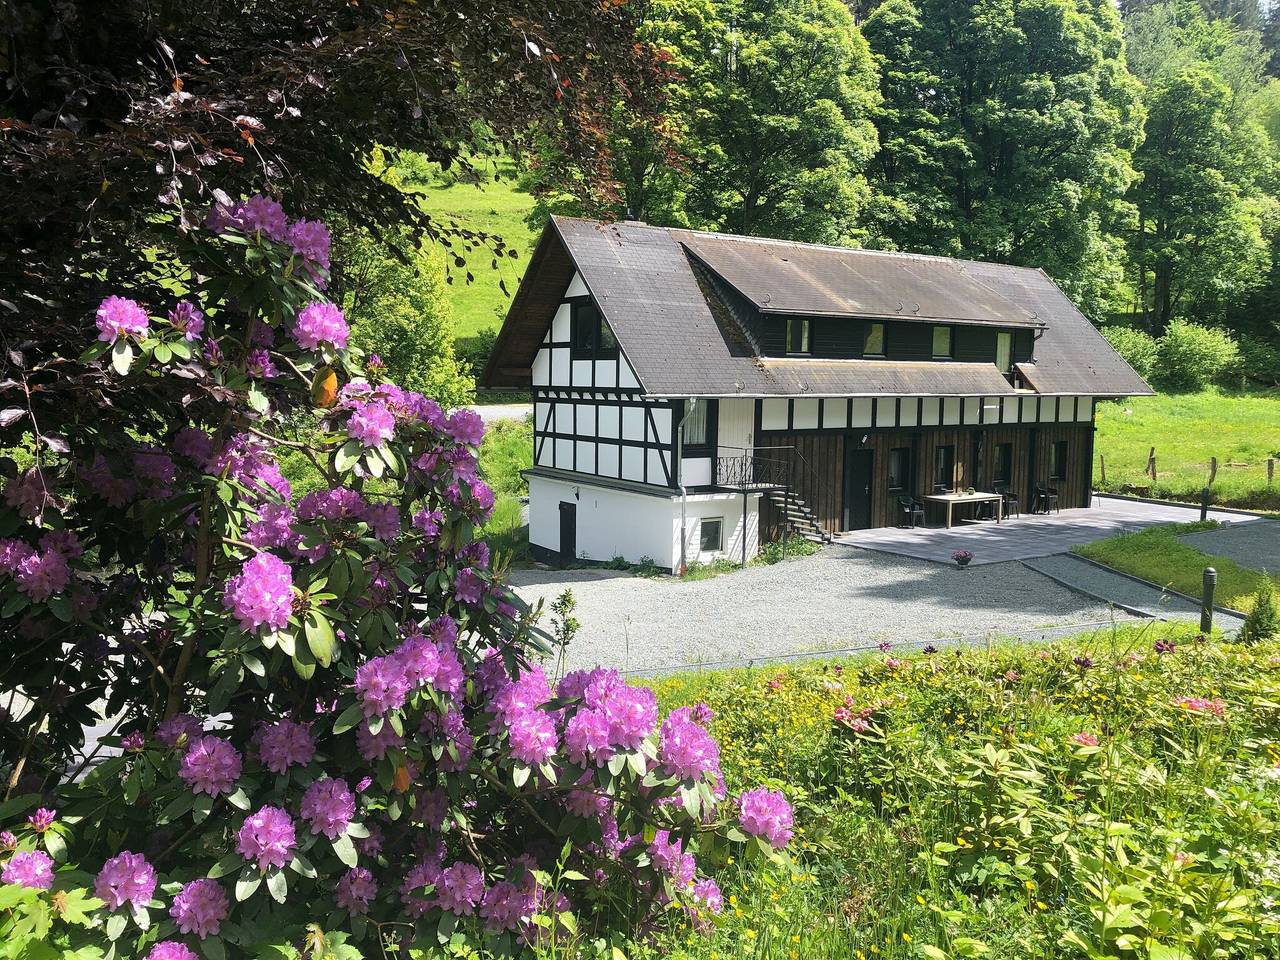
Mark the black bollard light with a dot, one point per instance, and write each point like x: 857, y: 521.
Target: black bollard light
x: 1204, y: 503
x: 1206, y: 600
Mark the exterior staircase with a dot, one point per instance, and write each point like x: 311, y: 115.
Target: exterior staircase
x: 798, y: 515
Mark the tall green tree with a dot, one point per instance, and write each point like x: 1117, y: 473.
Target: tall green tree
x: 1201, y: 241
x: 1008, y: 126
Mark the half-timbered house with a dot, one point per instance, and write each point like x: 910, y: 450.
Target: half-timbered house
x: 695, y: 394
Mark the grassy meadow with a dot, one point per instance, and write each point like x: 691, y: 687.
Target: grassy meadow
x: 1094, y: 798
x: 1242, y: 431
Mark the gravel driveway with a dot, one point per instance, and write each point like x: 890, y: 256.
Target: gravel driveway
x: 1255, y: 544
x: 839, y: 598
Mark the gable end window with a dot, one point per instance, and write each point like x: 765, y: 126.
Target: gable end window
x: 797, y: 335
x: 942, y: 343
x: 873, y: 345
x: 589, y: 336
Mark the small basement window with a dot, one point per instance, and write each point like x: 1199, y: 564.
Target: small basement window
x: 711, y: 535
x: 873, y: 346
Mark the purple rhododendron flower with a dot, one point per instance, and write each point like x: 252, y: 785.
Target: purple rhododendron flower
x: 421, y: 875
x: 194, y: 444
x: 258, y: 364
x: 267, y: 838
x: 419, y: 660
x: 374, y: 746
x: 262, y: 593
x: 382, y: 685
x: 467, y: 587
x: 460, y: 888
x: 320, y: 323
x: 174, y: 728
x: 12, y: 553
x: 28, y: 492
x: 156, y: 469
x: 328, y: 807
x: 429, y: 521
x: 211, y: 765
x: 466, y: 426
x: 187, y: 319
x: 134, y: 742
x: 708, y: 891
x: 42, y: 819
x: 125, y: 878
x: 669, y: 857
x: 371, y: 424
x: 258, y: 214
x: 310, y: 241
x: 42, y: 574
x: 336, y: 504
x: 7, y: 840
x: 586, y: 738
x: 383, y: 520
x: 532, y: 735
x: 200, y: 907
x: 29, y: 868
x: 685, y: 749
x: 766, y: 813
x: 355, y: 890
x: 120, y: 317
x: 273, y: 528
x: 284, y: 744
x: 171, y: 950
x: 509, y: 905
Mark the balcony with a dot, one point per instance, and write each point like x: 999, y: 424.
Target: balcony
x: 748, y: 472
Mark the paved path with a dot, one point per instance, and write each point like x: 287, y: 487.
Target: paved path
x: 837, y: 599
x: 1131, y: 594
x: 1255, y: 545
x: 489, y: 412
x: 1032, y: 535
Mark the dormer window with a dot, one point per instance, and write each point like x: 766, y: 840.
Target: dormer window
x: 1004, y: 351
x: 797, y: 335
x: 873, y: 345
x: 589, y: 336
x: 942, y: 343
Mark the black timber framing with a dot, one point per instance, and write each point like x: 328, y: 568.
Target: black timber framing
x: 1034, y: 406
x: 617, y: 359
x: 613, y: 399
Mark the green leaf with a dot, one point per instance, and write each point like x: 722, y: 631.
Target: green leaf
x: 239, y: 799
x: 520, y: 775
x: 348, y: 718
x: 163, y: 353
x: 122, y: 356
x: 278, y: 885
x: 115, y: 925
x: 227, y: 865
x: 447, y: 922
x: 320, y: 637
x: 246, y: 885
x: 60, y: 607
x: 213, y: 948
x: 347, y: 456
x: 257, y: 399
x: 55, y: 845
x: 346, y: 850
x: 253, y: 664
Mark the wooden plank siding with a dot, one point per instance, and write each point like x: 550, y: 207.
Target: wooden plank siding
x: 818, y: 467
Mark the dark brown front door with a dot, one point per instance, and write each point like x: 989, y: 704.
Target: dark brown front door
x: 858, y: 471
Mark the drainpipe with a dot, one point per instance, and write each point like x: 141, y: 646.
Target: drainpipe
x: 684, y: 494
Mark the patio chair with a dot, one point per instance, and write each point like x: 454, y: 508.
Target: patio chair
x: 1012, y: 504
x: 1047, y: 498
x: 909, y: 510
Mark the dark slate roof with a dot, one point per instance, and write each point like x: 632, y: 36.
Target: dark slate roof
x: 794, y: 278
x: 682, y: 341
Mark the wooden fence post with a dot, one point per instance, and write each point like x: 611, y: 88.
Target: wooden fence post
x: 1271, y: 470
x: 1102, y: 463
x: 1151, y: 464
x: 1213, y: 469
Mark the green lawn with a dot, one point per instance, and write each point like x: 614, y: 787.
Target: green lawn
x: 1090, y: 798
x: 496, y: 207
x: 1157, y: 554
x: 1186, y: 430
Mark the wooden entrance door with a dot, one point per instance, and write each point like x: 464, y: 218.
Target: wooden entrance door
x: 568, y: 533
x: 859, y: 468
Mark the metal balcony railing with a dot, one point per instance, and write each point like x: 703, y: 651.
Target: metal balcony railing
x: 749, y: 472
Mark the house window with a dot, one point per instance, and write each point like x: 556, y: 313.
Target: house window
x: 1004, y: 352
x: 797, y: 335
x: 1058, y: 460
x: 711, y: 535
x: 899, y: 469
x: 944, y: 468
x: 1002, y: 468
x: 941, y: 343
x: 873, y: 346
x: 589, y: 336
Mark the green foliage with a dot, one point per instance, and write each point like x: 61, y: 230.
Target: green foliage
x: 1263, y: 622
x: 954, y: 804
x: 1138, y: 348
x: 1186, y: 430
x: 1191, y: 357
x: 792, y: 546
x: 1157, y: 554
x: 1259, y: 361
x: 506, y: 451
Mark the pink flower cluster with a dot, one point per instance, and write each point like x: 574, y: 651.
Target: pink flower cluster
x: 328, y: 807
x: 1201, y: 705
x: 669, y: 857
x: 173, y: 729
x: 40, y: 574
x: 186, y: 318
x: 211, y: 765
x: 200, y: 907
x: 613, y: 715
x: 1084, y: 739
x: 371, y: 424
x: 171, y: 950
x: 29, y: 868
x: 284, y: 744
x: 355, y: 891
x: 261, y: 593
x: 384, y: 683
x: 685, y: 749
x: 267, y: 838
x: 125, y: 878
x: 319, y: 323
x: 120, y: 317
x: 766, y: 813
x: 258, y: 214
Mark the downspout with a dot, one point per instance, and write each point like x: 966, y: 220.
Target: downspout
x: 684, y: 494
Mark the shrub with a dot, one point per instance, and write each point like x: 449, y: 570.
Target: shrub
x: 1263, y: 620
x: 1260, y: 361
x: 474, y: 351
x: 1192, y: 356
x: 329, y: 726
x: 1137, y: 347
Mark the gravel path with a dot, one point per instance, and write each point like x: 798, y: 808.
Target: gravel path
x: 839, y: 598
x: 1255, y: 544
x: 491, y: 412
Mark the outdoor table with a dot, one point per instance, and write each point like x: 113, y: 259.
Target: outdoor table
x: 951, y: 499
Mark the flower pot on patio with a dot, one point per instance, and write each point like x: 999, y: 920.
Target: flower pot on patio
x: 962, y: 558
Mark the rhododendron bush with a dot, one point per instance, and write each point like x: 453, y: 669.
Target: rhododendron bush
x: 317, y: 716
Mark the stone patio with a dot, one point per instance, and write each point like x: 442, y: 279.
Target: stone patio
x: 1033, y: 535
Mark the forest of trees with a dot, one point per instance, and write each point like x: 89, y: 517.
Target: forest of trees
x: 1132, y: 151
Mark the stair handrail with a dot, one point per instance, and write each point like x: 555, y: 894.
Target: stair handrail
x: 823, y: 491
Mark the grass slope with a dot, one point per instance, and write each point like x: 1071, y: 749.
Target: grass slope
x: 496, y: 207
x: 1186, y: 430
x: 1156, y: 554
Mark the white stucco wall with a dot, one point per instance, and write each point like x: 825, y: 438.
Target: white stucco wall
x: 727, y: 506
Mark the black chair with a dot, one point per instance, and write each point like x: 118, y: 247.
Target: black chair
x: 1047, y: 498
x: 909, y: 509
x: 1011, y: 504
